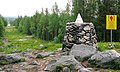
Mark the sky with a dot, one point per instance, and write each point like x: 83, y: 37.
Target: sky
x: 14, y: 8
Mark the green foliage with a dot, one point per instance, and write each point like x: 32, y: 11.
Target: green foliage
x: 1, y: 28
x: 3, y: 20
x: 1, y: 42
x: 59, y: 68
x: 104, y: 46
x: 86, y: 8
x: 50, y: 46
x: 95, y: 11
x: 46, y: 26
x: 115, y: 65
x: 24, y: 25
x: 17, y: 41
x: 106, y: 8
x: 71, y: 66
x: 3, y: 63
x: 51, y: 26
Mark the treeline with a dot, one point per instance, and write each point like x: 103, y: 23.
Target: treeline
x: 51, y: 26
x: 95, y: 11
x: 3, y: 23
x: 46, y: 26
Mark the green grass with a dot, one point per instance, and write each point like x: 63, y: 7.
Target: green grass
x: 104, y: 46
x: 17, y: 41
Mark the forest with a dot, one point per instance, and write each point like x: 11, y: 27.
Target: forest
x: 54, y: 41
x: 51, y: 26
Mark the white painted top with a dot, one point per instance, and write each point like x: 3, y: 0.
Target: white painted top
x: 79, y: 19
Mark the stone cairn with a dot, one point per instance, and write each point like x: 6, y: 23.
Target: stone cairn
x: 79, y: 32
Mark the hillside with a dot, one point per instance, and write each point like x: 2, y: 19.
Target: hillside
x: 15, y: 40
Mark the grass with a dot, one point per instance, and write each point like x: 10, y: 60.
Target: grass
x: 18, y: 41
x: 104, y: 46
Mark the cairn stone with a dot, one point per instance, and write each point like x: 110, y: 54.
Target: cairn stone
x: 79, y: 32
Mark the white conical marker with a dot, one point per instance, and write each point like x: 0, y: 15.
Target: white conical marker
x: 79, y: 19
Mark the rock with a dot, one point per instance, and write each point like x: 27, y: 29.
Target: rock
x: 79, y: 33
x: 87, y: 38
x: 16, y: 51
x: 82, y: 33
x: 69, y: 61
x: 0, y: 69
x: 111, y: 46
x: 11, y: 58
x: 34, y: 63
x: 88, y: 34
x: 84, y: 70
x: 82, y: 40
x: 87, y: 28
x: 105, y: 58
x: 1, y: 47
x: 5, y: 41
x: 30, y: 68
x: 1, y: 53
x: 59, y: 49
x: 40, y: 46
x: 29, y: 51
x: 52, y: 55
x: 23, y: 64
x: 9, y: 70
x: 29, y: 55
x: 66, y: 69
x: 82, y: 51
x: 43, y: 54
x: 21, y: 71
x: 20, y: 40
x: 28, y: 36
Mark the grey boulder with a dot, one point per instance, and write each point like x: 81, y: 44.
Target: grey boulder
x: 85, y: 70
x: 68, y: 61
x: 11, y: 58
x: 44, y: 54
x: 82, y: 51
x: 105, y: 58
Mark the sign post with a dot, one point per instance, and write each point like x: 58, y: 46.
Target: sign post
x: 111, y: 24
x: 111, y: 37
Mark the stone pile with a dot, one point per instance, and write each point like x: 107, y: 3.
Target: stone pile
x: 84, y: 33
x: 79, y: 32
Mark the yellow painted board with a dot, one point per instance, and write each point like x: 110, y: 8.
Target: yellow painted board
x: 111, y: 22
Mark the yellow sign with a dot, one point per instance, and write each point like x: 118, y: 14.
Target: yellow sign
x: 111, y: 22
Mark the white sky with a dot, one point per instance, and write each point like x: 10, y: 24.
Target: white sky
x: 27, y: 7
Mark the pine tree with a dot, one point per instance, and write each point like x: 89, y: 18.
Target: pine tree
x: 1, y: 28
x: 105, y: 7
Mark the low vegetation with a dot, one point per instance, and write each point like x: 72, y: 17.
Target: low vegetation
x: 105, y: 46
x: 17, y: 41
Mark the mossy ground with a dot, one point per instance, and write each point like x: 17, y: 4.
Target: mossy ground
x: 18, y: 41
x: 104, y: 46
